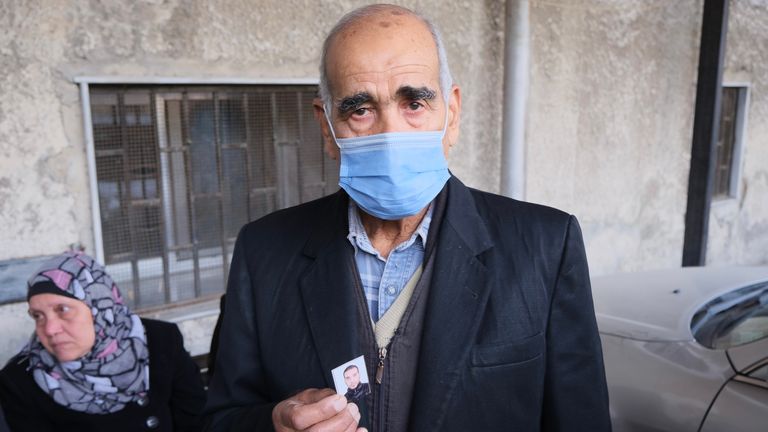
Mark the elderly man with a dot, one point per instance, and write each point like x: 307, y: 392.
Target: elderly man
x: 473, y: 311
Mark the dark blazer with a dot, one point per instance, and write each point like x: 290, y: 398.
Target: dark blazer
x: 509, y: 336
x: 3, y: 424
x: 176, y: 394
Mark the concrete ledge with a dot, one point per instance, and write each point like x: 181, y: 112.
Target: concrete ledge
x: 195, y: 320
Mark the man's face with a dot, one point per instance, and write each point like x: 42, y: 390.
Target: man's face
x: 352, y: 378
x: 383, y: 73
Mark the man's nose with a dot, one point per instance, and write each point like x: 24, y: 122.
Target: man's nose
x: 389, y: 119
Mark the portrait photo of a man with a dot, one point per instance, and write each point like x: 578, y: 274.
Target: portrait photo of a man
x: 351, y: 380
x: 356, y: 389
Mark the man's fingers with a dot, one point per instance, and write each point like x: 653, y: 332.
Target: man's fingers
x: 306, y: 415
x: 285, y: 413
x: 313, y: 395
x: 355, y: 412
x: 316, y: 410
x: 344, y: 421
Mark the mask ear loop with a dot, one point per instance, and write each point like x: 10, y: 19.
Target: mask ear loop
x: 445, y: 122
x: 447, y: 109
x: 328, y: 120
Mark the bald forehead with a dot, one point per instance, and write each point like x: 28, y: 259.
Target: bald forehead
x: 390, y: 22
x: 383, y: 19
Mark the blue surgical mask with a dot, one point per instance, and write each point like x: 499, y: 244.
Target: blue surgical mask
x: 395, y: 174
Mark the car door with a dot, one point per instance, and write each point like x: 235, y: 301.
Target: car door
x: 742, y: 404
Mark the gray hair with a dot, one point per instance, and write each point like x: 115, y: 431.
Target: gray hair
x: 446, y: 81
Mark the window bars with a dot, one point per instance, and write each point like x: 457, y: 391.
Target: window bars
x: 180, y: 169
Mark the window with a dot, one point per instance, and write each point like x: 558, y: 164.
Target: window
x: 180, y: 169
x: 729, y: 144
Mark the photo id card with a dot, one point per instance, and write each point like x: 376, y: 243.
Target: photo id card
x: 351, y: 380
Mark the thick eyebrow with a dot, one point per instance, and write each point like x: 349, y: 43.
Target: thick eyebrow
x: 416, y: 93
x: 351, y: 103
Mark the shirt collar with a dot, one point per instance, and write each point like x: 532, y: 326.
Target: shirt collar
x: 359, y: 238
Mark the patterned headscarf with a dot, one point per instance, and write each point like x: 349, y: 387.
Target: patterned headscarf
x: 116, y: 370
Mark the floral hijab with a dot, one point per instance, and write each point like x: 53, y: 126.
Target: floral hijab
x: 116, y: 370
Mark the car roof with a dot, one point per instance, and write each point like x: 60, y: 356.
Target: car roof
x: 659, y: 305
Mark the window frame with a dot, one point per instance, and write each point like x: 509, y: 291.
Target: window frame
x: 740, y: 129
x: 85, y: 83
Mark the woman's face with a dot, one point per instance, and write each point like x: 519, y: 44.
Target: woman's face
x: 63, y: 325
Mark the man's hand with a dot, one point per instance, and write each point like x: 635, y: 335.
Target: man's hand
x: 316, y: 410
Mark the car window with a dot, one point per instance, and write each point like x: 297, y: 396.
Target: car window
x: 735, y: 318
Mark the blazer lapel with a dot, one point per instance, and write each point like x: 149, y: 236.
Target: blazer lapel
x: 328, y: 291
x: 457, y: 298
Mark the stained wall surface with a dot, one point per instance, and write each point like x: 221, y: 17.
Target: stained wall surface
x: 609, y: 122
x: 738, y: 227
x: 44, y: 193
x: 611, y: 110
x: 44, y: 190
x: 613, y: 90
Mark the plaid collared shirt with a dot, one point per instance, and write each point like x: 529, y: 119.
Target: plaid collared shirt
x: 384, y: 279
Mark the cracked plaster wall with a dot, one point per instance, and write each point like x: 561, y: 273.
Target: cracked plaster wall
x: 613, y: 88
x: 609, y: 122
x: 612, y: 95
x: 44, y: 193
x: 738, y: 227
x: 44, y: 45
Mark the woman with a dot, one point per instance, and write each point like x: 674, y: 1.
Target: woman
x: 92, y: 365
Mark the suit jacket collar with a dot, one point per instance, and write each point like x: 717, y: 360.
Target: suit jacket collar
x: 331, y: 225
x: 460, y: 213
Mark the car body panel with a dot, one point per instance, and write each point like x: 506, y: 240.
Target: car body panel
x: 739, y: 407
x: 659, y: 377
x: 659, y: 305
x: 745, y: 356
x: 661, y: 386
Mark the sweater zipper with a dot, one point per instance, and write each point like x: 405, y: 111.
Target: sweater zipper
x: 380, y: 367
x: 374, y: 405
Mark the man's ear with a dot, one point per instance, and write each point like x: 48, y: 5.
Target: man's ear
x: 329, y: 145
x: 454, y: 119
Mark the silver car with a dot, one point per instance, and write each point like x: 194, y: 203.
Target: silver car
x: 686, y: 349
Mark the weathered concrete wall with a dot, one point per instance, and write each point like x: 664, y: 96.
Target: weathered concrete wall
x: 738, y: 228
x: 474, y: 36
x: 44, y: 195
x: 610, y: 123
x: 17, y: 329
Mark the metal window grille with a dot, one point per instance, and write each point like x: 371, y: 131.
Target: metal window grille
x: 726, y: 142
x: 731, y: 140
x: 180, y: 169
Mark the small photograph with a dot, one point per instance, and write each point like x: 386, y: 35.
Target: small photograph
x: 351, y: 379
